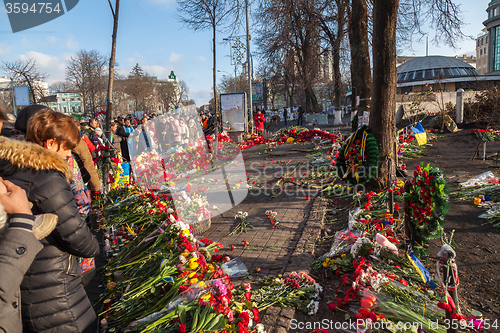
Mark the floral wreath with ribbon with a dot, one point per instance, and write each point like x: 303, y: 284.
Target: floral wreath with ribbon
x: 358, y: 159
x: 428, y: 204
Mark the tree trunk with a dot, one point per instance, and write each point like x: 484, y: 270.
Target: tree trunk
x: 216, y: 117
x: 383, y: 105
x: 360, y: 56
x: 109, y: 106
x: 337, y: 76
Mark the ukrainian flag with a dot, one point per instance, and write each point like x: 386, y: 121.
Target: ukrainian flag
x: 424, y: 274
x: 420, y: 134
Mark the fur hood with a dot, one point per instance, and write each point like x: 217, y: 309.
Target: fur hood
x: 27, y: 155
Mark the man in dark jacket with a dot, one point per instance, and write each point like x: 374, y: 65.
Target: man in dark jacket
x: 124, y: 131
x: 53, y: 298
x: 300, y: 116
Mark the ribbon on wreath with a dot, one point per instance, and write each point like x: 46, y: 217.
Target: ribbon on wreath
x: 354, y: 167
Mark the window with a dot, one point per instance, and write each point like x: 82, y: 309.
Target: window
x: 462, y: 71
x: 481, y: 52
x: 65, y: 110
x: 447, y: 72
x: 455, y: 71
x: 419, y: 75
x: 428, y: 74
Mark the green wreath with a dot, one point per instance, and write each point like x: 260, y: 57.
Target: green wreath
x: 358, y: 159
x: 428, y: 204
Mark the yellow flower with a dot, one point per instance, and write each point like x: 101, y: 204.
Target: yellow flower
x: 193, y: 281
x: 193, y: 265
x: 325, y: 264
x: 211, y: 268
x: 185, y: 254
x: 191, y: 274
x: 343, y: 255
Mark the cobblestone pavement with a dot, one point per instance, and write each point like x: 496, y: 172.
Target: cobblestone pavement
x: 300, y: 210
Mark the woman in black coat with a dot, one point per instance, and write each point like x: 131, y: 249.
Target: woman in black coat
x: 53, y: 298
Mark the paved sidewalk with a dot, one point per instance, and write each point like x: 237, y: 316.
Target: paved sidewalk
x: 274, y: 251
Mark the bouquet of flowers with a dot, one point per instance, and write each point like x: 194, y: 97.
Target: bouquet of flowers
x: 241, y: 224
x: 271, y: 216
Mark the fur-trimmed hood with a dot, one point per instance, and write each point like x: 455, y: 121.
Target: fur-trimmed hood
x: 27, y: 155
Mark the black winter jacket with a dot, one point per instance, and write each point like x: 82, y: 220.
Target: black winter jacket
x: 53, y: 298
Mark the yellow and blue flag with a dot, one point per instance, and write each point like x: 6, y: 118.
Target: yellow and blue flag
x: 420, y: 134
x: 426, y: 276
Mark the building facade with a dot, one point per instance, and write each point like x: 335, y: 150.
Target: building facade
x: 68, y: 103
x: 482, y: 42
x: 492, y: 25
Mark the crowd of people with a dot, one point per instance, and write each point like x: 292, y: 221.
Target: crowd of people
x: 129, y: 135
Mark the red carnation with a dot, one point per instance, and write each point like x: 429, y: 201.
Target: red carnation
x: 256, y: 316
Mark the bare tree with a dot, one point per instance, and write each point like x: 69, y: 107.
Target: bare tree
x: 139, y: 85
x: 332, y: 17
x: 383, y: 105
x: 289, y: 34
x: 361, y: 78
x: 217, y: 15
x: 86, y: 72
x: 61, y: 87
x: 382, y: 116
x: 26, y: 72
x: 443, y: 16
x: 109, y: 96
x: 167, y: 95
x: 229, y: 84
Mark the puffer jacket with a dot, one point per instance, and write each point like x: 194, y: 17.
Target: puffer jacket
x: 53, y: 298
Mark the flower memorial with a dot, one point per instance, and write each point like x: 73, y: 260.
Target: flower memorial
x: 358, y: 159
x: 161, y: 277
x: 428, y: 204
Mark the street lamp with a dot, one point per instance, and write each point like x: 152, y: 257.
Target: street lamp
x: 230, y: 77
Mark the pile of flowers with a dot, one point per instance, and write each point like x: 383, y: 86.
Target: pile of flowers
x: 162, y: 277
x: 272, y: 217
x: 486, y: 135
x: 254, y: 140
